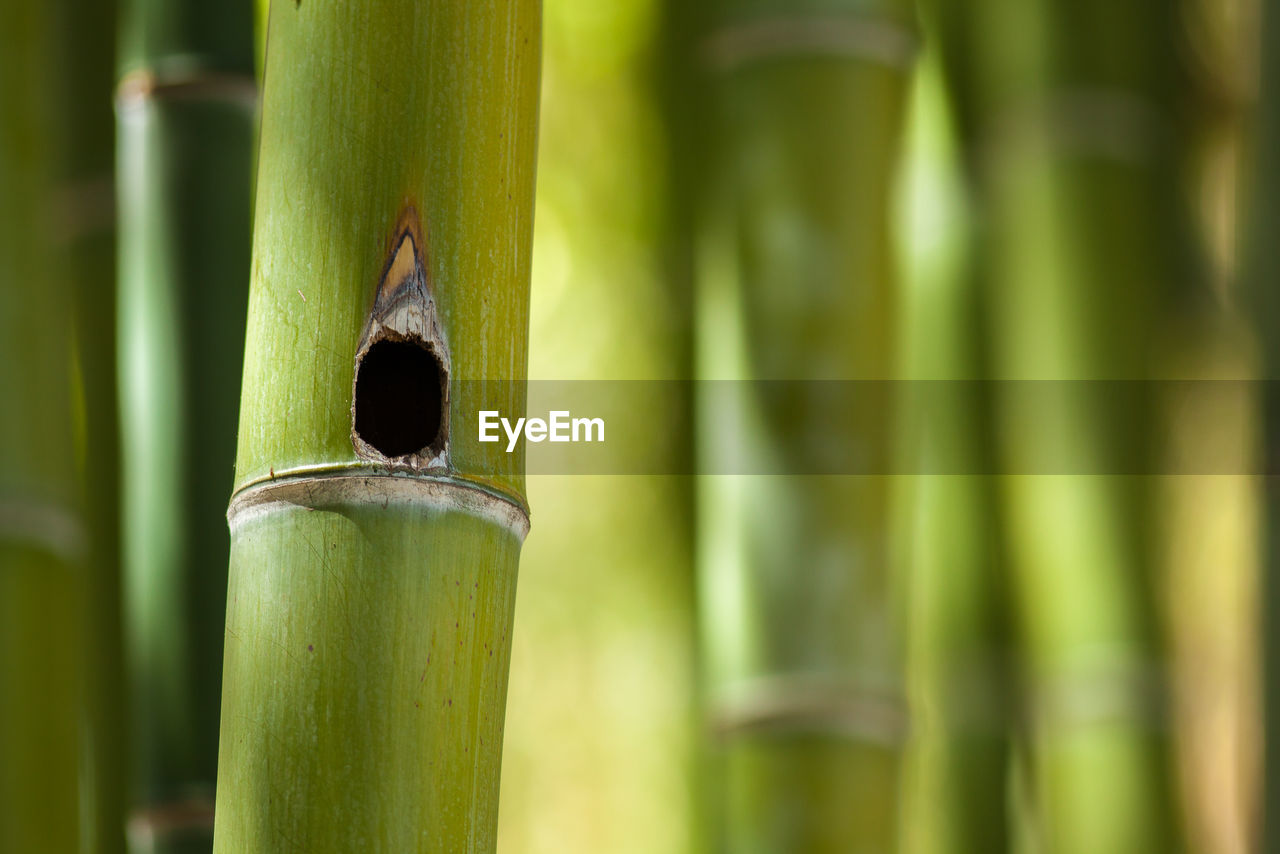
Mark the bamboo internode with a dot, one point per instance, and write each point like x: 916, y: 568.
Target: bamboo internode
x: 801, y: 130
x: 44, y: 540
x: 185, y: 105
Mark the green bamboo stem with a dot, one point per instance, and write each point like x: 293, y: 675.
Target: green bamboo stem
x: 1066, y: 110
x: 42, y: 536
x: 1262, y: 270
x: 186, y: 110
x: 801, y: 653
x: 960, y: 643
x: 372, y: 581
x: 85, y: 208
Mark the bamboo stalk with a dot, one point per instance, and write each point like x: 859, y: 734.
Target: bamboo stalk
x: 960, y: 639
x: 1261, y: 271
x: 42, y: 536
x: 374, y: 539
x: 1210, y: 524
x: 85, y: 211
x: 1067, y: 113
x: 185, y: 103
x: 962, y: 698
x: 801, y: 652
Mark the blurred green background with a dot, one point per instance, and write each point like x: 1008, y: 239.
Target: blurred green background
x: 1046, y: 190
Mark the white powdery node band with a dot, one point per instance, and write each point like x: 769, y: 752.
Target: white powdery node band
x: 356, y: 489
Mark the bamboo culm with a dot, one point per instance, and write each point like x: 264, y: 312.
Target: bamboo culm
x: 804, y: 105
x: 185, y: 103
x: 1263, y: 267
x: 86, y: 215
x: 1083, y: 239
x: 375, y: 541
x: 960, y: 626
x: 43, y: 537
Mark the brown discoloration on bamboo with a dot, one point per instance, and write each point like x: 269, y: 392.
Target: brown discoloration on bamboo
x: 404, y: 310
x: 400, y: 273
x: 402, y: 258
x: 156, y: 822
x: 144, y: 85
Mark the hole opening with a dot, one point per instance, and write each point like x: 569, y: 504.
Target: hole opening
x: 399, y: 398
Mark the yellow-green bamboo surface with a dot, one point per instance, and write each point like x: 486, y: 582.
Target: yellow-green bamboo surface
x: 371, y: 593
x: 600, y: 730
x: 42, y: 536
x: 185, y: 107
x: 801, y: 651
x: 1210, y: 523
x: 1067, y: 113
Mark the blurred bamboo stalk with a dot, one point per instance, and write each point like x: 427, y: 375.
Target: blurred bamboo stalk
x: 185, y: 104
x: 1210, y: 524
x: 800, y: 640
x: 960, y: 641
x: 597, y: 754
x: 1067, y: 113
x: 375, y: 541
x: 43, y: 539
x: 962, y: 697
x: 85, y: 207
x: 1263, y: 273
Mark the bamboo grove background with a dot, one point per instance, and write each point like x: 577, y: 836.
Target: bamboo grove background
x: 945, y: 191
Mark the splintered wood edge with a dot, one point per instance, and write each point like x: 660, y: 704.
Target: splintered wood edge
x: 367, y: 490
x: 404, y: 290
x: 404, y: 264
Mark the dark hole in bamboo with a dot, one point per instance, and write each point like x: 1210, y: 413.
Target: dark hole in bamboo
x: 399, y: 397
